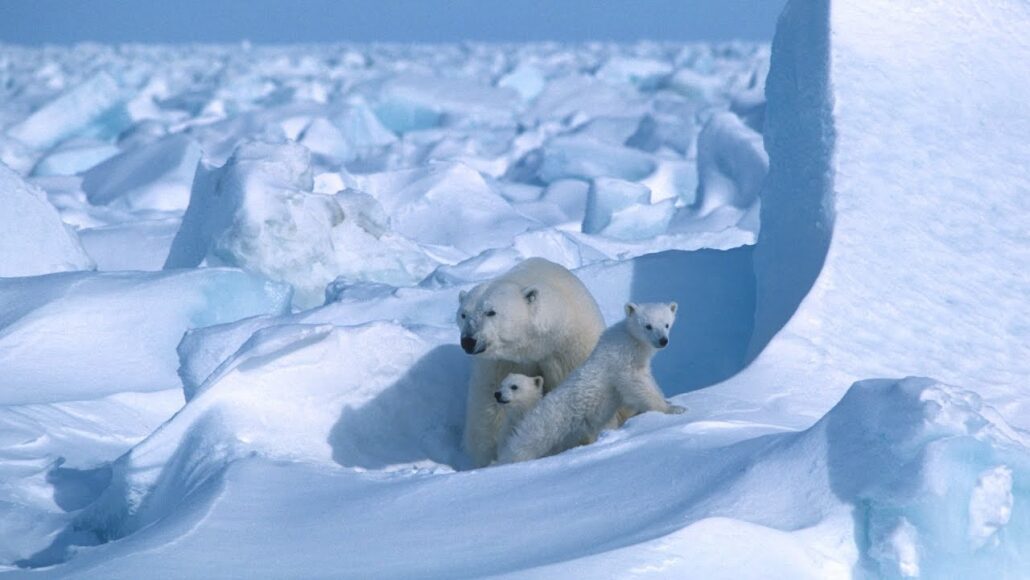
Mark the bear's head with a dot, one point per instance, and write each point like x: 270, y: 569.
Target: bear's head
x: 516, y: 388
x: 650, y: 323
x: 497, y: 320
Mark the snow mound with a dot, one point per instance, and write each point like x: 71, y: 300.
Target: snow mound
x: 155, y: 176
x: 105, y: 333
x: 257, y: 212
x: 33, y: 240
x: 311, y: 393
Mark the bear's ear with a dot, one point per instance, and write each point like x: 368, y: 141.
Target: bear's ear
x: 539, y: 382
x: 530, y: 294
x: 462, y: 295
x: 672, y: 306
x: 630, y: 308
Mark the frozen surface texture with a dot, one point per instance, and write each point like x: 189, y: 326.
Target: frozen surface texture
x: 298, y: 414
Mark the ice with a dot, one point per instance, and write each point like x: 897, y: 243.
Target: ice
x: 94, y: 100
x: 446, y: 204
x: 139, y: 245
x: 583, y: 158
x: 131, y: 322
x: 645, y: 74
x: 257, y: 212
x: 526, y: 79
x: 607, y: 196
x: 565, y: 96
x: 731, y: 165
x: 640, y: 221
x: 155, y: 176
x: 74, y: 156
x: 415, y: 102
x: 33, y: 240
x: 570, y: 195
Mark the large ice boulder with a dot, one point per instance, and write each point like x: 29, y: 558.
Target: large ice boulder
x: 258, y: 212
x: 155, y: 176
x: 731, y: 164
x: 104, y: 333
x: 893, y: 223
x: 33, y: 239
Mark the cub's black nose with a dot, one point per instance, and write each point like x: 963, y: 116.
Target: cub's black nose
x: 468, y: 344
x: 498, y: 397
x: 663, y: 341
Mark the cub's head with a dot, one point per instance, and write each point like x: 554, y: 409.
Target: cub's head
x: 516, y: 388
x: 496, y: 320
x: 651, y: 322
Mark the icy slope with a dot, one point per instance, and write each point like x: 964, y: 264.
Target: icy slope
x: 897, y: 194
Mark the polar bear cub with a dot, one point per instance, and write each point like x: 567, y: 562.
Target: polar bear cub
x: 515, y: 396
x: 616, y: 374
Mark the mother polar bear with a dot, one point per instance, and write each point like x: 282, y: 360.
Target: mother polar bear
x: 537, y: 319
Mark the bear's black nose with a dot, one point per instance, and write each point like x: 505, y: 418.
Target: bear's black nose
x: 468, y: 344
x: 663, y: 341
x: 498, y: 397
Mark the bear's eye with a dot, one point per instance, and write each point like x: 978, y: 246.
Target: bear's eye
x: 666, y: 326
x: 491, y: 313
x: 514, y: 387
x: 463, y: 316
x: 649, y: 327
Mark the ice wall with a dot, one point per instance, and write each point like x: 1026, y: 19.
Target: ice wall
x: 897, y: 135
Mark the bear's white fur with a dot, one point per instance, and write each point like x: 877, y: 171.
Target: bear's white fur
x: 537, y: 319
x: 516, y: 395
x: 617, y: 374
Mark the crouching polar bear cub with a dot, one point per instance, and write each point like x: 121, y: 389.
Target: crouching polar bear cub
x: 516, y: 396
x: 536, y: 319
x: 617, y: 374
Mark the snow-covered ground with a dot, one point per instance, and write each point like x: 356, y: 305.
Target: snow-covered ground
x: 228, y: 278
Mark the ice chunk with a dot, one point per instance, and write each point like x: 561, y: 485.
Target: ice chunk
x: 33, y: 239
x: 526, y: 79
x: 606, y: 196
x: 640, y: 221
x: 731, y: 164
x: 581, y: 158
x: 135, y: 245
x: 257, y: 212
x: 565, y: 96
x: 446, y: 204
x: 74, y: 156
x: 414, y: 102
x: 697, y: 86
x: 71, y: 113
x: 643, y: 73
x: 156, y: 176
x: 674, y: 179
x: 570, y: 195
x: 130, y: 321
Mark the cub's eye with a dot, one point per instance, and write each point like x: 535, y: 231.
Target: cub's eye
x: 666, y: 326
x: 491, y: 313
x: 463, y: 316
x: 649, y: 327
x: 514, y: 387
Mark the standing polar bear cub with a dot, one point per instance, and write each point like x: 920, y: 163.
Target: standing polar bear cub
x: 535, y: 319
x: 617, y: 374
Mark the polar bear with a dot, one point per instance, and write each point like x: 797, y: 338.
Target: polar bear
x: 617, y: 374
x: 537, y: 319
x: 516, y: 395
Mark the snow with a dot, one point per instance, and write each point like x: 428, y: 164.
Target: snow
x: 263, y: 377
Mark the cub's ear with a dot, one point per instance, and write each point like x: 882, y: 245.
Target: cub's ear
x: 462, y: 295
x: 531, y: 295
x: 672, y: 306
x: 630, y: 308
x: 539, y: 382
